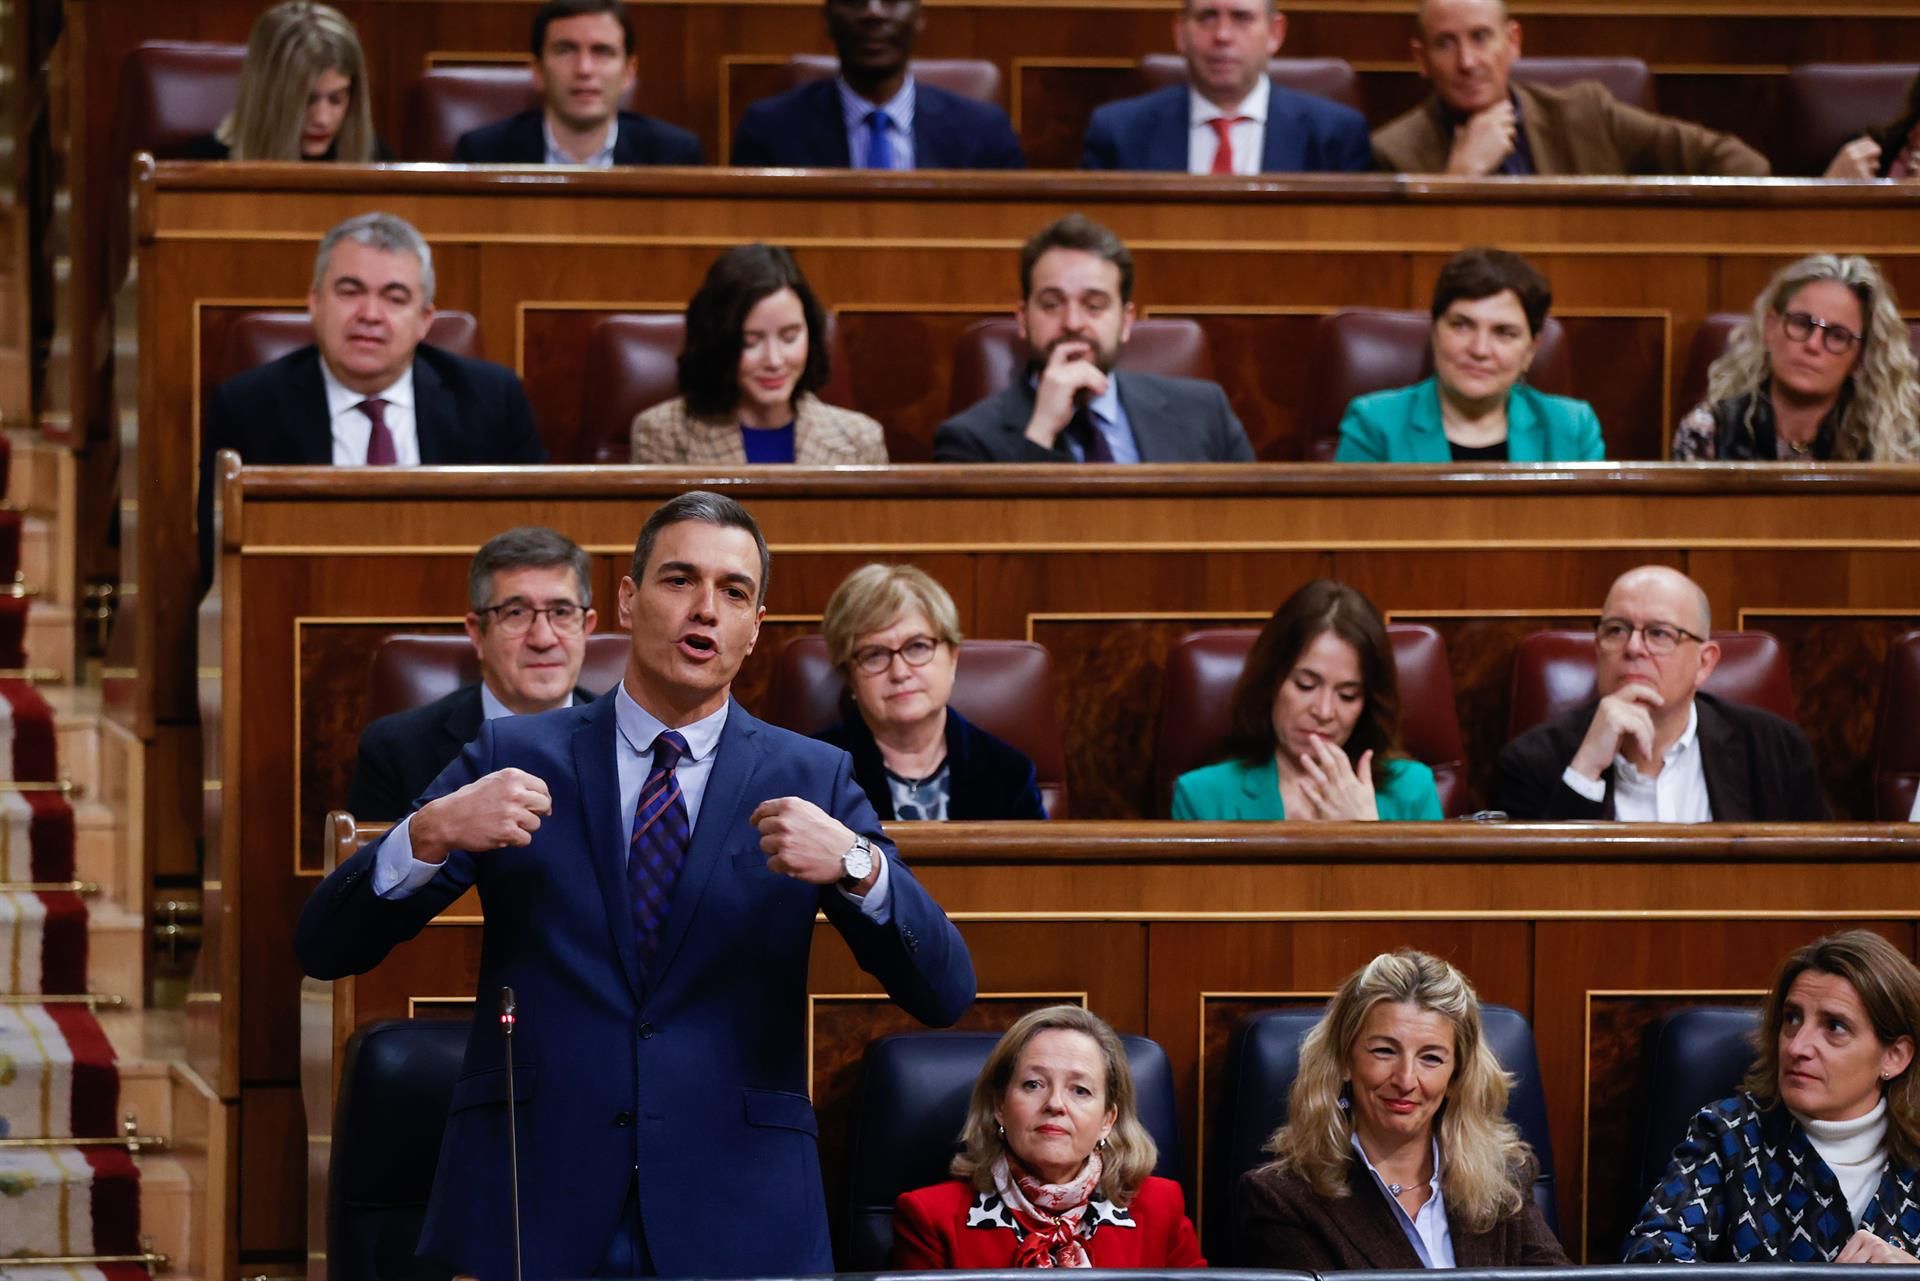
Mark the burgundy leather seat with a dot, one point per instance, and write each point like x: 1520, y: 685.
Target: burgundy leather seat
x: 1330, y: 78
x: 974, y: 78
x: 1368, y: 349
x: 1896, y: 736
x: 411, y: 670
x: 1196, y: 707
x: 633, y: 364
x: 989, y: 354
x: 1627, y: 79
x: 446, y: 102
x: 175, y: 90
x: 1825, y: 105
x: 258, y: 337
x: 1553, y: 672
x: 1003, y: 686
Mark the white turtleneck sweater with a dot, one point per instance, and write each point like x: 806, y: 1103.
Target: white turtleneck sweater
x: 1856, y: 1152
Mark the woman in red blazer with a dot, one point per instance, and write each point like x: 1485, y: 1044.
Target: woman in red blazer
x: 1056, y: 1169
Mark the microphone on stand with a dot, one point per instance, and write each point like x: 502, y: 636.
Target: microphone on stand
x: 507, y: 1008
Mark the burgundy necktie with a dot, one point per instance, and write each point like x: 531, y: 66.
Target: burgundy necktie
x: 1223, y: 153
x: 380, y: 443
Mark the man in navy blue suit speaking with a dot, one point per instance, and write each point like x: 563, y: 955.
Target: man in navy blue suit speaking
x: 649, y: 866
x: 1230, y: 118
x: 875, y: 114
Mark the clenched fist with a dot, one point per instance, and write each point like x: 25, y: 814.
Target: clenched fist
x: 803, y: 841
x: 504, y: 808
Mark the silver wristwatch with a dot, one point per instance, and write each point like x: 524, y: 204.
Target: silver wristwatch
x: 858, y: 861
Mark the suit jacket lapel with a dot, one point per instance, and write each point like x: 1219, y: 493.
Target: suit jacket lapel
x: 1723, y: 760
x: 1541, y: 120
x: 1155, y: 431
x: 934, y: 146
x: 1366, y: 1219
x: 1428, y: 436
x: 594, y: 744
x: 1167, y: 133
x: 308, y: 415
x: 631, y: 146
x: 433, y: 416
x: 1526, y: 431
x: 528, y: 140
x: 721, y: 816
x: 1280, y: 150
x: 827, y: 128
x: 465, y: 717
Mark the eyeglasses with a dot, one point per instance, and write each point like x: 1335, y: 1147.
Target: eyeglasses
x: 1661, y: 638
x: 1800, y: 325
x: 875, y: 659
x: 515, y: 618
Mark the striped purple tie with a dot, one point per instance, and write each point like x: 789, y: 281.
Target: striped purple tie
x: 658, y: 849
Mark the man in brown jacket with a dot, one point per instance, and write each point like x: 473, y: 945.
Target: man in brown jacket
x: 1477, y: 123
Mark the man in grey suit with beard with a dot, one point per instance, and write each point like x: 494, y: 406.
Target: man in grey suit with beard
x: 1076, y: 309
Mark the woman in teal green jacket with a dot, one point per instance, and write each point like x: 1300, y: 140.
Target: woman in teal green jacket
x: 1316, y: 723
x: 1488, y: 307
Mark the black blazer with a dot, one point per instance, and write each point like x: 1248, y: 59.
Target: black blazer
x: 1759, y: 768
x: 1174, y: 420
x: 988, y: 777
x: 1284, y: 1223
x: 401, y: 753
x: 804, y: 128
x: 519, y: 140
x: 206, y: 146
x: 466, y: 411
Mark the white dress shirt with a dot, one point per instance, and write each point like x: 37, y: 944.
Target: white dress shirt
x: 1677, y: 794
x: 397, y: 873
x: 1249, y: 135
x: 352, y: 429
x: 601, y: 159
x: 1426, y: 1231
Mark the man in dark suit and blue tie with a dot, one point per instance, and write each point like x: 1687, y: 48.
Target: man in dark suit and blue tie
x: 530, y: 598
x: 875, y: 114
x: 368, y: 391
x: 583, y: 61
x: 1230, y: 118
x: 650, y: 867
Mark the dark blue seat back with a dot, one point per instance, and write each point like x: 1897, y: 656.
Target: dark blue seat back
x: 1263, y: 1057
x: 910, y: 1104
x: 1698, y: 1055
x: 387, y: 1123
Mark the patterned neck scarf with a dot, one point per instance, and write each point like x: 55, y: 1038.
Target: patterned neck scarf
x: 1051, y: 1213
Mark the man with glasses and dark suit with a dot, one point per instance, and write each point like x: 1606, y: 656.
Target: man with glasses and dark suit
x: 530, y: 611
x: 1651, y: 747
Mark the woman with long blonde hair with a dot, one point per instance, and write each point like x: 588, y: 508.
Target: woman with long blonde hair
x: 1397, y: 1152
x: 303, y: 93
x: 1821, y: 370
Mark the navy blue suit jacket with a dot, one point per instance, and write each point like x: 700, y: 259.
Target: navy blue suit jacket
x: 987, y: 777
x: 519, y: 140
x: 691, y: 1080
x: 805, y: 129
x: 1304, y: 134
x: 465, y: 411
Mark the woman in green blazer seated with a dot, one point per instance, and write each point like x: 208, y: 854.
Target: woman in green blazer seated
x: 1488, y: 307
x: 1316, y: 723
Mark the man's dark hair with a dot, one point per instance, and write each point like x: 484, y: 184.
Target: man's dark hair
x: 1077, y: 231
x: 553, y: 10
x: 528, y: 547
x: 1479, y: 273
x: 708, y: 508
x: 717, y: 315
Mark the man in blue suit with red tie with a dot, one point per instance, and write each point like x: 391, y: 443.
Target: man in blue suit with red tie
x: 1230, y: 118
x: 650, y: 866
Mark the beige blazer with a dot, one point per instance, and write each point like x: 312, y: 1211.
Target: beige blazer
x: 823, y: 436
x: 1581, y: 129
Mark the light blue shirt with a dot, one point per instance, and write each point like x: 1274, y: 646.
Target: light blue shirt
x: 899, y: 114
x: 492, y: 709
x: 601, y: 159
x: 397, y: 873
x: 1426, y: 1231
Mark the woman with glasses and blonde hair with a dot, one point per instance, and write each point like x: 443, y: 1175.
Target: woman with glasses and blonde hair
x: 1055, y: 1170
x: 895, y: 635
x: 1396, y: 1152
x: 303, y: 93
x: 1816, y: 1159
x: 1820, y: 371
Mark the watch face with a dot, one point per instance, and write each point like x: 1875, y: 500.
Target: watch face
x: 858, y: 861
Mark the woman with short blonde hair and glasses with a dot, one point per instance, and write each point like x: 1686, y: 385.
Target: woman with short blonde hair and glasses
x: 1397, y: 1152
x: 894, y: 634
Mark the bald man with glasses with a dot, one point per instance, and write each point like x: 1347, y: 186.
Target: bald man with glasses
x: 1651, y: 747
x: 530, y: 611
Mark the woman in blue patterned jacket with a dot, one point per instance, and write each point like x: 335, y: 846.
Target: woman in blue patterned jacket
x: 1817, y: 1159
